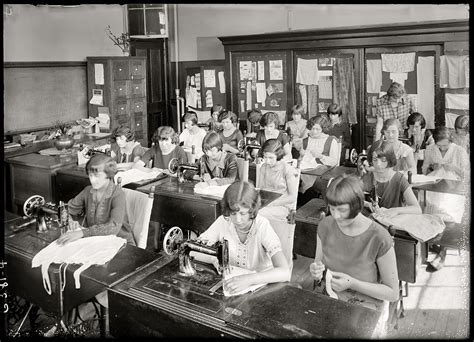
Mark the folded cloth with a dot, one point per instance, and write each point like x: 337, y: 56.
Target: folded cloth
x: 93, y: 250
x: 422, y: 227
x: 211, y: 190
x: 135, y: 175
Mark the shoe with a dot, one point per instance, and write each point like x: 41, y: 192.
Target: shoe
x: 436, y: 264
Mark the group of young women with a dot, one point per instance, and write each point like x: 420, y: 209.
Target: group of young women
x: 357, y: 252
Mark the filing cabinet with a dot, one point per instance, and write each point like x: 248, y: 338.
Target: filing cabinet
x: 122, y: 81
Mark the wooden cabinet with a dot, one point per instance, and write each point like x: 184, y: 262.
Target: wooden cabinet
x: 124, y: 92
x: 148, y: 20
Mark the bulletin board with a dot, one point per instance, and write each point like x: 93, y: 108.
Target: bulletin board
x: 205, y: 87
x: 261, y: 83
x: 36, y: 97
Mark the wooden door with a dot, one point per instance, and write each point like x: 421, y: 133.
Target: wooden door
x: 156, y: 52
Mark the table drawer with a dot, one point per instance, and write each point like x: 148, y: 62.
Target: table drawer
x: 138, y: 69
x: 138, y: 88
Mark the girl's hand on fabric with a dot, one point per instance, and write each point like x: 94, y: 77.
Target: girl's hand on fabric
x: 316, y: 269
x: 201, y: 185
x: 211, y: 182
x: 388, y: 213
x: 435, y: 166
x: 237, y: 283
x: 73, y: 225
x: 206, y: 177
x: 341, y: 281
x: 226, y: 148
x: 316, y: 154
x: 70, y: 236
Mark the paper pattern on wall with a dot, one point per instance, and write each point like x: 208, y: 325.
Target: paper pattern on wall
x: 261, y: 92
x: 97, y: 97
x: 242, y: 106
x: 457, y: 101
x: 270, y: 90
x: 399, y: 77
x: 450, y: 119
x: 276, y: 69
x: 209, y: 102
x: 220, y: 76
x: 197, y: 78
x: 249, y: 95
x: 374, y: 75
x: 191, y: 96
x: 209, y: 78
x: 253, y: 74
x: 398, y: 62
x: 304, y: 97
x: 307, y: 71
x: 192, y: 81
x: 261, y: 70
x: 245, y: 70
x: 425, y: 89
x: 99, y: 73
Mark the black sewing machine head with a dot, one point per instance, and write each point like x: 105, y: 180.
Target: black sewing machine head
x: 45, y: 213
x: 359, y: 159
x: 247, y: 144
x: 175, y: 167
x: 173, y: 243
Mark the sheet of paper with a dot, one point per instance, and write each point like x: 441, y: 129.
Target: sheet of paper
x: 209, y: 101
x: 197, y: 79
x: 209, y: 78
x: 254, y: 75
x: 450, y: 119
x: 261, y: 92
x: 398, y: 62
x: 99, y: 73
x: 245, y: 70
x: 220, y: 76
x: 161, y: 18
x: 249, y: 95
x: 276, y: 69
x: 104, y: 121
x: 97, y: 97
x: 261, y: 70
x: 236, y: 271
x: 212, y: 190
x: 242, y: 106
x: 399, y: 77
x: 134, y: 175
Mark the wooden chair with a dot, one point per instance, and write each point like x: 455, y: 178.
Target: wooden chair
x: 243, y: 169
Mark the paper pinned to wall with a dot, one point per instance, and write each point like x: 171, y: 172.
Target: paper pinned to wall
x: 457, y: 101
x: 99, y: 73
x: 97, y: 97
x: 253, y: 74
x: 398, y: 62
x: 161, y: 18
x: 245, y: 70
x: 276, y: 70
x: 220, y: 76
x: 261, y: 70
x: 191, y: 96
x: 374, y: 75
x: 104, y: 121
x: 261, y: 92
x: 209, y: 101
x: 425, y: 87
x: 197, y: 79
x: 399, y: 77
x: 209, y: 78
x: 249, y: 95
x: 307, y: 72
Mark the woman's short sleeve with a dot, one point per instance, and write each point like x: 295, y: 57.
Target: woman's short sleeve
x: 403, y: 183
x: 270, y: 240
x: 385, y: 241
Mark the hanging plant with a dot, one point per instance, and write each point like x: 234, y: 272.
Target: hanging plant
x: 122, y: 41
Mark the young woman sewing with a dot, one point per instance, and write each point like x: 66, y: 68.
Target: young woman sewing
x: 460, y: 135
x: 357, y: 252
x: 229, y: 134
x: 297, y: 129
x: 99, y: 209
x: 394, y: 193
x: 216, y: 110
x: 418, y: 138
x: 270, y: 123
x: 338, y: 128
x: 192, y: 135
x: 125, y: 150
x: 253, y: 244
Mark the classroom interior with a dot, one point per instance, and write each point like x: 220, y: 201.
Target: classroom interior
x: 88, y: 69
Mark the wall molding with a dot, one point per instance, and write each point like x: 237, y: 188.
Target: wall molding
x: 34, y: 64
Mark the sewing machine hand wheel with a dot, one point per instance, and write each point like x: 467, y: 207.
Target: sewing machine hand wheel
x: 241, y: 145
x: 31, y: 203
x: 171, y: 240
x: 173, y: 166
x: 353, y: 156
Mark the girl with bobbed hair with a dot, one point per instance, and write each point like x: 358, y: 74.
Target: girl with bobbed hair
x: 270, y: 123
x: 460, y: 136
x: 216, y: 110
x: 253, y: 244
x: 229, y: 134
x: 357, y: 251
x: 418, y: 138
x: 125, y: 149
x: 164, y: 149
x: 99, y: 209
x: 192, y: 135
x: 297, y: 128
x: 338, y: 128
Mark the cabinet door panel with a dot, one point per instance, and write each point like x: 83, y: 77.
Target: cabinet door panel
x: 123, y: 119
x: 121, y: 108
x: 138, y: 122
x: 138, y: 106
x: 121, y: 89
x: 121, y: 70
x: 138, y: 88
x: 138, y: 69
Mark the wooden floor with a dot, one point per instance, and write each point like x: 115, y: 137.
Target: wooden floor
x: 437, y: 305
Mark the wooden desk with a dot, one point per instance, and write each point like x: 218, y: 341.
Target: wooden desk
x: 176, y: 204
x: 34, y: 174
x: 27, y: 282
x: 158, y: 302
x: 447, y: 186
x: 71, y: 180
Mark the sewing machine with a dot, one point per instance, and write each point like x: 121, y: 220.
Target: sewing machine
x: 175, y: 167
x: 45, y: 213
x: 360, y: 160
x: 246, y: 145
x: 86, y: 152
x: 173, y: 243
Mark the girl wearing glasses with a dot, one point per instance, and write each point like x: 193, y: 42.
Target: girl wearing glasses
x: 253, y: 244
x: 165, y: 147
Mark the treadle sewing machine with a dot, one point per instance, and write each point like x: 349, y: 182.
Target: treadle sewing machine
x: 246, y: 145
x: 175, y: 167
x: 46, y: 213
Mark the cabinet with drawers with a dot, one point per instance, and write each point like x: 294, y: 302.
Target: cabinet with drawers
x: 122, y: 81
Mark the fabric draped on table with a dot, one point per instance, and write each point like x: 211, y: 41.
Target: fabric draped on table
x: 344, y: 88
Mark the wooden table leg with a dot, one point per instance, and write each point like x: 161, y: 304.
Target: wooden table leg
x: 104, y: 321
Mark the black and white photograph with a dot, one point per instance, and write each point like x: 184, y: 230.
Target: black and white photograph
x: 254, y: 171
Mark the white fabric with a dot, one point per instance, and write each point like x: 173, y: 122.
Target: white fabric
x: 236, y: 271
x: 398, y: 62
x: 374, y: 75
x: 307, y: 72
x: 399, y: 77
x: 421, y: 226
x: 425, y: 89
x: 317, y: 145
x: 211, y: 190
x: 457, y: 101
x: 193, y: 139
x: 93, y: 250
x: 135, y: 175
x: 253, y: 254
x: 450, y: 119
x: 139, y: 206
x: 454, y: 71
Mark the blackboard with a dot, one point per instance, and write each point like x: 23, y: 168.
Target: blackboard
x: 37, y: 96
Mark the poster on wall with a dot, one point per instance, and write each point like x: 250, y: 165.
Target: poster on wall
x: 261, y: 70
x: 276, y: 70
x: 245, y: 68
x: 209, y: 78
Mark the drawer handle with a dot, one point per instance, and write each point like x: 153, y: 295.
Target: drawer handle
x: 120, y: 69
x: 138, y: 124
x: 136, y: 87
x: 120, y: 89
x: 138, y: 106
x: 121, y: 108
